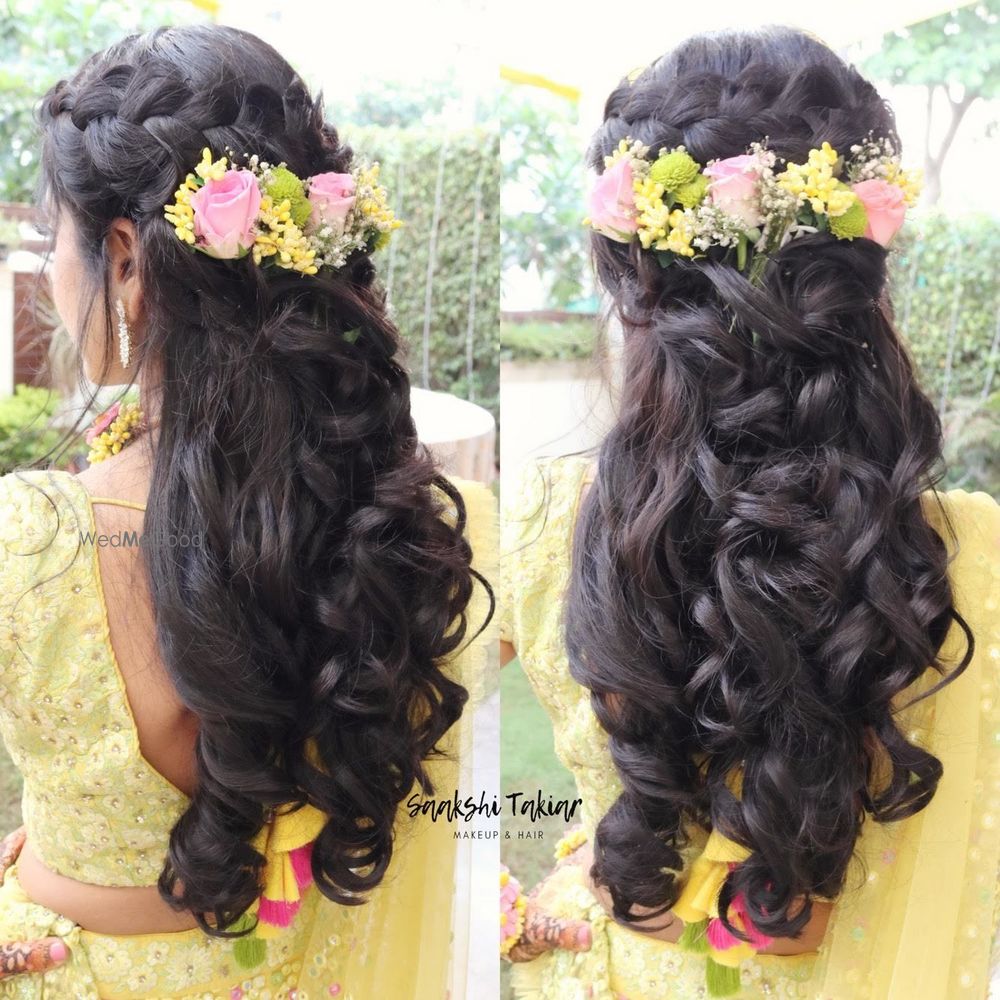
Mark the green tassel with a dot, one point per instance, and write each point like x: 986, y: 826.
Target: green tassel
x: 721, y: 980
x: 694, y: 939
x: 249, y: 952
x: 244, y: 923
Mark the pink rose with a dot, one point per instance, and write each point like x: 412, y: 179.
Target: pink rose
x: 225, y: 214
x: 611, y: 205
x: 886, y: 208
x: 734, y: 188
x: 332, y: 198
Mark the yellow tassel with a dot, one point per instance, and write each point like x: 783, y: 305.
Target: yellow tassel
x: 699, y: 898
x: 284, y: 833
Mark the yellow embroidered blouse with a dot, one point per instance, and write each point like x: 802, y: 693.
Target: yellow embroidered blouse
x: 920, y: 913
x: 98, y: 812
x: 95, y: 809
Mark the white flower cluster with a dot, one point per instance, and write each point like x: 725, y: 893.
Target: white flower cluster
x: 334, y: 246
x: 777, y: 205
x: 636, y: 152
x: 873, y: 160
x: 263, y: 170
x: 713, y: 227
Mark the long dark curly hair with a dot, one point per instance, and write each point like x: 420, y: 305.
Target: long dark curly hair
x: 755, y: 579
x: 334, y: 575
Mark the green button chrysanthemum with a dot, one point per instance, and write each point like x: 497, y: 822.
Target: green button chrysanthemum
x: 674, y: 169
x: 852, y: 223
x: 286, y: 185
x: 691, y: 194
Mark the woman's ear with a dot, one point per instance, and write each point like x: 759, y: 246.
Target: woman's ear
x: 123, y: 264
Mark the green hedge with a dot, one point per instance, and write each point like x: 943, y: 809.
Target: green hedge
x: 421, y: 169
x: 946, y: 290
x: 571, y: 340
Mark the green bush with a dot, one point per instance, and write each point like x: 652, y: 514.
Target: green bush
x: 26, y: 434
x: 447, y: 305
x: 568, y: 341
x: 946, y: 290
x: 972, y: 444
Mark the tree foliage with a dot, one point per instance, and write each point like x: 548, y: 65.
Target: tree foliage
x: 543, y: 194
x: 42, y: 41
x: 957, y: 52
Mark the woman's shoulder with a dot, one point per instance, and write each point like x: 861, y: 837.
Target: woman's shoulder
x: 968, y: 522
x: 541, y: 497
x: 479, y: 499
x: 970, y: 519
x: 538, y: 507
x: 42, y: 523
x: 31, y: 500
x: 22, y: 482
x: 480, y: 504
x: 470, y: 665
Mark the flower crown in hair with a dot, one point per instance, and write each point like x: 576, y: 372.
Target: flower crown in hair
x: 267, y: 211
x: 675, y: 207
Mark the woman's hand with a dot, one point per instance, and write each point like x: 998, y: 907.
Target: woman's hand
x: 19, y: 957
x: 544, y: 932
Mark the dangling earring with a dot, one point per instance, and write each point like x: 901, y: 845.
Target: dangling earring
x: 124, y: 340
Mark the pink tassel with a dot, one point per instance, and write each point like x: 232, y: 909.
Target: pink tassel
x: 718, y: 937
x: 277, y: 913
x: 757, y: 940
x: 301, y: 859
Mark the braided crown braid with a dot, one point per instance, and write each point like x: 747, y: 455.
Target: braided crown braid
x: 333, y: 577
x: 755, y: 582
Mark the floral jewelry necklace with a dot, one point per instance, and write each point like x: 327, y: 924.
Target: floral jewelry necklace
x: 112, y: 430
